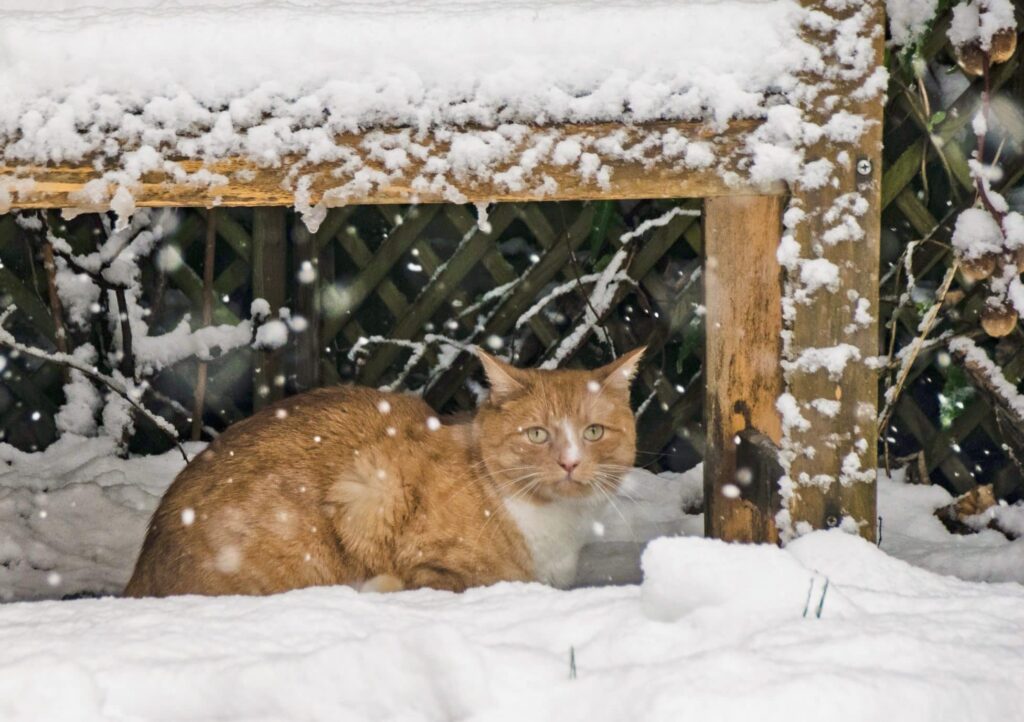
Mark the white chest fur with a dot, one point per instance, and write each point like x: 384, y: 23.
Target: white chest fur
x: 555, y: 533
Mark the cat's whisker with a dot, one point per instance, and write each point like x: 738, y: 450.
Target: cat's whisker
x: 611, y: 485
x: 511, y: 482
x: 618, y: 511
x: 519, y: 494
x: 616, y: 474
x: 616, y: 467
x: 507, y: 495
x: 522, y: 493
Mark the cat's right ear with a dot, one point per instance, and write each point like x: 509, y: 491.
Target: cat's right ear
x: 503, y: 379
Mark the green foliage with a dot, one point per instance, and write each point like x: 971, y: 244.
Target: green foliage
x: 936, y: 119
x: 956, y: 392
x: 929, y: 144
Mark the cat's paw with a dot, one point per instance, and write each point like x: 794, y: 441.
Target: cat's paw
x: 382, y: 584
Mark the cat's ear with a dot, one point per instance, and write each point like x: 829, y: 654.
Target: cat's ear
x: 504, y: 380
x: 619, y: 374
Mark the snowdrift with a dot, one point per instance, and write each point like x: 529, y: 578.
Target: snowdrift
x: 716, y: 631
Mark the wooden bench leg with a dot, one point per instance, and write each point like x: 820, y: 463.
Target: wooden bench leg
x: 743, y: 292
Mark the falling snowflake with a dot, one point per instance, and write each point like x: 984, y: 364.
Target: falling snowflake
x: 307, y: 274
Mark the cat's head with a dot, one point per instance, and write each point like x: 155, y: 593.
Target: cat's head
x: 566, y: 433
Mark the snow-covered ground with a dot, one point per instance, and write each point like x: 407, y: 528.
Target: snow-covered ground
x: 72, y: 519
x: 714, y: 631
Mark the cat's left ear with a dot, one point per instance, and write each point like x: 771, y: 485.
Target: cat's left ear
x: 505, y: 380
x: 619, y: 374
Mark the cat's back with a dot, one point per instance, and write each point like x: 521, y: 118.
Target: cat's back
x: 257, y: 492
x: 306, y: 437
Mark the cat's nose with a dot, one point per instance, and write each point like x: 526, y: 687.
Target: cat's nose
x: 568, y: 465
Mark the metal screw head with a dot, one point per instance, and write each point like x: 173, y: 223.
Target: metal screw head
x: 864, y: 167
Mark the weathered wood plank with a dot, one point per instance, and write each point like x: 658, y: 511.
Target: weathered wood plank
x: 269, y: 237
x: 833, y: 454
x: 250, y: 184
x: 743, y: 292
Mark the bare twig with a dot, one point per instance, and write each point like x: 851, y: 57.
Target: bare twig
x: 986, y: 104
x: 907, y: 363
x: 575, y: 265
x: 60, y: 338
x: 127, y: 363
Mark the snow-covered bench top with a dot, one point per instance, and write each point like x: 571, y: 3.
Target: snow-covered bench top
x: 126, y: 85
x: 179, y: 66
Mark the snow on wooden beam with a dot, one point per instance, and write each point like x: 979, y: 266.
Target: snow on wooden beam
x: 830, y: 413
x: 642, y: 171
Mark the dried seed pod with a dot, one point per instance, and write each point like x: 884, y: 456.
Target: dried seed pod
x: 1004, y: 43
x: 978, y: 269
x: 971, y: 59
x: 953, y: 297
x: 998, y: 321
x: 1018, y: 257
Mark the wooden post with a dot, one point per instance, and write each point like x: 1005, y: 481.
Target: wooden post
x: 743, y: 295
x: 307, y: 306
x: 832, y: 323
x: 209, y: 257
x: 325, y: 241
x: 268, y: 282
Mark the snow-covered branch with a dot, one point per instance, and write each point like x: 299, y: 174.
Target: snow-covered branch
x: 124, y: 388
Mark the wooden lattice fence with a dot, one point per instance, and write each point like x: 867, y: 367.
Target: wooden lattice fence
x: 407, y: 274
x: 948, y: 432
x: 404, y: 274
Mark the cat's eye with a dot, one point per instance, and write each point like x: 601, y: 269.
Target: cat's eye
x: 537, y: 434
x: 593, y: 432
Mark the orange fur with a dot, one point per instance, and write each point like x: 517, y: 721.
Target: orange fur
x: 354, y: 486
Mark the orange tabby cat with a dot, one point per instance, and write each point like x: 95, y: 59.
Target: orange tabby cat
x: 354, y: 486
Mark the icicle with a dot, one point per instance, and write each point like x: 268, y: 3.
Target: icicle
x: 482, y: 216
